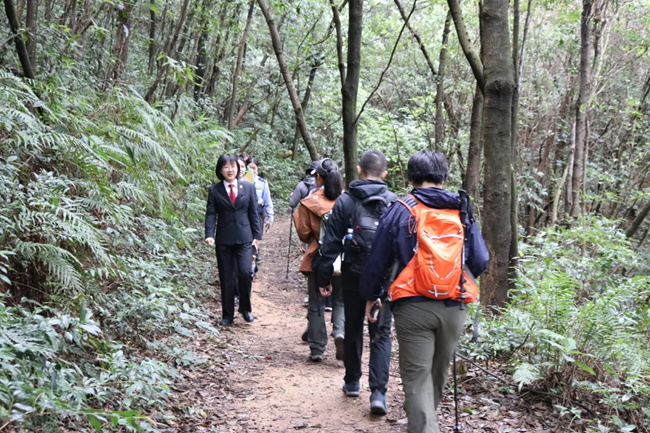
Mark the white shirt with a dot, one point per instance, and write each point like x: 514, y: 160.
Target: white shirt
x: 227, y: 186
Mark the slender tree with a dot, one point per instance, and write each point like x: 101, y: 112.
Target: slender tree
x: 240, y: 56
x: 350, y: 89
x: 293, y: 95
x: 440, y: 85
x: 21, y: 48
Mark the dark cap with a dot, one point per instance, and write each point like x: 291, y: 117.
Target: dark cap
x: 312, y: 168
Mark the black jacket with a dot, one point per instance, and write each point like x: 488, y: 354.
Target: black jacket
x: 302, y: 190
x: 235, y: 224
x: 339, y: 222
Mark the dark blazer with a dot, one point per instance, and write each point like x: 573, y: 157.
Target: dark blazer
x: 235, y: 224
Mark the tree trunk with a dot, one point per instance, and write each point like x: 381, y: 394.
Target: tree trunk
x: 582, y: 106
x: 31, y: 20
x: 465, y: 43
x: 440, y: 88
x: 472, y: 175
x: 152, y: 36
x: 514, y: 223
x: 499, y: 84
x: 336, y: 19
x: 304, y: 104
x: 14, y: 25
x: 121, y: 47
x: 350, y: 90
x: 417, y: 37
x: 240, y: 58
x: 638, y: 220
x: 169, y: 49
x: 293, y: 95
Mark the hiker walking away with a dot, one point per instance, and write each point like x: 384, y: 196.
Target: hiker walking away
x: 308, y: 219
x: 264, y: 202
x: 355, y: 216
x: 302, y: 190
x: 304, y: 187
x: 423, y: 232
x: 232, y: 213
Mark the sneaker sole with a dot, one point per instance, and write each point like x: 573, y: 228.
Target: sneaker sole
x: 351, y: 393
x: 377, y: 409
x: 338, y: 342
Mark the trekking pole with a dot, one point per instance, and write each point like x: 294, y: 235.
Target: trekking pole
x: 457, y: 427
x: 289, y: 252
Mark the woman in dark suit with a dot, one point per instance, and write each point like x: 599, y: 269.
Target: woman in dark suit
x: 232, y: 211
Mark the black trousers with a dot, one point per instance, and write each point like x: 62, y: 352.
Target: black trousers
x: 355, y: 313
x: 234, y: 262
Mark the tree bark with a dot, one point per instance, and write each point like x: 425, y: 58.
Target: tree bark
x: 31, y: 20
x: 293, y: 95
x: 350, y: 89
x: 514, y: 226
x: 339, y: 41
x: 499, y: 84
x: 472, y: 175
x: 582, y: 106
x: 465, y: 43
x: 638, y: 220
x: 240, y: 58
x: 152, y: 36
x: 121, y: 47
x: 23, y: 55
x: 440, y: 88
x: 305, y: 104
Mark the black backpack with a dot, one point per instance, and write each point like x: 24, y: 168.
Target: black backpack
x: 363, y: 222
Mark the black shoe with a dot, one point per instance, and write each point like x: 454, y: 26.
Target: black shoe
x: 316, y: 358
x: 305, y: 335
x: 248, y: 316
x: 339, y: 341
x: 225, y: 322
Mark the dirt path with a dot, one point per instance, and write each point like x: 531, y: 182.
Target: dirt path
x: 263, y: 382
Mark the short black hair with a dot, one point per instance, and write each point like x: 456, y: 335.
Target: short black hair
x: 373, y: 163
x: 223, y: 160
x: 245, y: 157
x: 253, y: 160
x: 427, y: 166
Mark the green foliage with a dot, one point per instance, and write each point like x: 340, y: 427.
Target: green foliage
x: 579, y: 320
x: 96, y: 258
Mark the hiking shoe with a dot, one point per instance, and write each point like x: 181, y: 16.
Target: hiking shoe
x: 305, y: 335
x: 305, y: 303
x: 328, y: 309
x: 338, y: 342
x: 351, y: 389
x: 316, y: 358
x: 378, y: 403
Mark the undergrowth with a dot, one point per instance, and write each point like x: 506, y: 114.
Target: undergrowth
x: 578, y: 326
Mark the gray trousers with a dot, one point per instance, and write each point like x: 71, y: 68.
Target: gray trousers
x: 317, y: 330
x: 428, y: 333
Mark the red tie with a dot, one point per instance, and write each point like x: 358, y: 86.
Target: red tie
x: 233, y: 197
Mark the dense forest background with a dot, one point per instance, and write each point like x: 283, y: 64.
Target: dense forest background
x: 112, y: 115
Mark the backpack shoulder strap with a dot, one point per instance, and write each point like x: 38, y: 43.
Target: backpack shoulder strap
x: 410, y: 202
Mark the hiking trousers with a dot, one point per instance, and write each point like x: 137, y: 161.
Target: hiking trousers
x: 428, y: 333
x: 317, y: 330
x: 355, y: 315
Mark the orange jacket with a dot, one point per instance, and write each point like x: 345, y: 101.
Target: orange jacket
x: 307, y: 220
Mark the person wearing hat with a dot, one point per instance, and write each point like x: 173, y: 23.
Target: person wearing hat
x: 304, y: 187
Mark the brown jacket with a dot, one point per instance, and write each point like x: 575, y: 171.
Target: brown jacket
x: 307, y: 220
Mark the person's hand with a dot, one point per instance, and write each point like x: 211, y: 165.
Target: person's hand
x: 256, y: 243
x: 209, y: 241
x: 369, y: 305
x: 268, y: 225
x: 326, y: 291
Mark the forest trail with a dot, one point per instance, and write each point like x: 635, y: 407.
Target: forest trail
x: 268, y: 385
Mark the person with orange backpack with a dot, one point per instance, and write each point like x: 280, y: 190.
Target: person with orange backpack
x: 432, y: 239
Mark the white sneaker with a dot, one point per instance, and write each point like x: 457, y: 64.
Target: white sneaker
x: 306, y: 301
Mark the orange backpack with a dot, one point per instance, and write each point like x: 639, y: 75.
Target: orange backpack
x: 436, y: 269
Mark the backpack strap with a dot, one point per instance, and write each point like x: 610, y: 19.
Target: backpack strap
x: 410, y: 202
